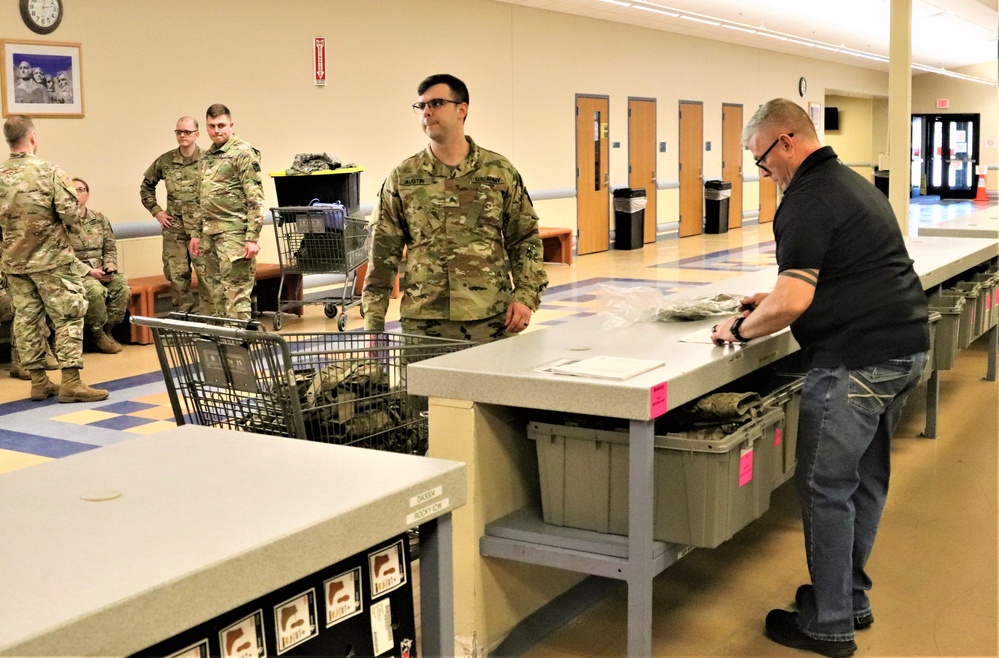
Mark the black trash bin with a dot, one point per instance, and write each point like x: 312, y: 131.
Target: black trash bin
x: 717, y: 194
x: 881, y: 180
x: 629, y: 218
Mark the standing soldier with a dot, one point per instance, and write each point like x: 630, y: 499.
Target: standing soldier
x: 37, y: 204
x: 107, y: 289
x: 180, y: 169
x: 228, y: 217
x: 474, y: 266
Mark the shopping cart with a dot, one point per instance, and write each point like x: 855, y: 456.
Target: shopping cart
x: 348, y: 388
x: 320, y: 239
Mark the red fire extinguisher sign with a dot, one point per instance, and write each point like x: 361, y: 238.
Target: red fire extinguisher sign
x: 319, y: 49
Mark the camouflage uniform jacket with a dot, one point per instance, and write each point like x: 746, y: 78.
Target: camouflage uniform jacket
x: 471, y: 238
x: 182, y: 176
x: 94, y: 244
x: 230, y: 194
x: 37, y: 204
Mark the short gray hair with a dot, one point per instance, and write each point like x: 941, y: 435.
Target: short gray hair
x: 779, y: 114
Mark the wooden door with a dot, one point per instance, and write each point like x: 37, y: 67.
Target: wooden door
x: 592, y: 173
x: 768, y: 199
x: 691, y: 168
x: 732, y: 159
x: 642, y: 157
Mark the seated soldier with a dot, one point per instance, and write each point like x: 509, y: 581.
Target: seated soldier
x: 108, y: 292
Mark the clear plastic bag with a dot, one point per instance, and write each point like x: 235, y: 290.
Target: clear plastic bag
x: 626, y: 306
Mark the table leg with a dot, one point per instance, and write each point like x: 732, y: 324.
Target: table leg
x: 990, y: 375
x: 437, y: 588
x: 640, y: 518
x: 932, y: 400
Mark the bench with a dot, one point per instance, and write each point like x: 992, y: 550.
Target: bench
x: 557, y: 243
x: 145, y: 290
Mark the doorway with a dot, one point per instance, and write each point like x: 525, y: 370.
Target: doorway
x: 944, y: 155
x: 691, y: 168
x: 732, y: 159
x: 642, y: 157
x: 592, y: 173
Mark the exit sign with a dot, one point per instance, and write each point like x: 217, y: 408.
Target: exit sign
x: 943, y: 103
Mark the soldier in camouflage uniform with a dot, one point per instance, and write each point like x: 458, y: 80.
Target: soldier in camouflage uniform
x: 473, y: 267
x: 228, y: 217
x: 37, y: 204
x: 107, y: 289
x: 180, y: 168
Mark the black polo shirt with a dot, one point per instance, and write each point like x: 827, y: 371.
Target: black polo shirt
x: 869, y: 305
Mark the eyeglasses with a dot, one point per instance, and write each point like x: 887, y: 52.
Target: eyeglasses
x: 81, y: 190
x: 759, y: 160
x: 434, y: 104
x: 184, y: 133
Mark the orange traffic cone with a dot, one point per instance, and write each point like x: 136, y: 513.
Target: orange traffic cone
x: 981, y: 195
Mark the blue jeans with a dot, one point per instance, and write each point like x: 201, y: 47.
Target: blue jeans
x: 844, y: 436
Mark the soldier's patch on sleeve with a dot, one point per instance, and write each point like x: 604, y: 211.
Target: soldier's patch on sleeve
x: 68, y: 184
x: 256, y: 166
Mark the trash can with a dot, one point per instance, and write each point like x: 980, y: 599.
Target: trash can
x: 629, y: 217
x: 881, y: 180
x: 717, y: 194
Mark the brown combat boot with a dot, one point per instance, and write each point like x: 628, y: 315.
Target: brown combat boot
x: 41, y: 387
x: 16, y: 370
x: 74, y: 390
x: 104, y: 343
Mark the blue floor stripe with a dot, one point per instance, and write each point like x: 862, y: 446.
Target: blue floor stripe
x: 41, y: 445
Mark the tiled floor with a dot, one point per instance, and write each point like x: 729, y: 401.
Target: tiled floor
x: 935, y: 563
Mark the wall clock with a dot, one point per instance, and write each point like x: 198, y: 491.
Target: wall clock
x: 802, y: 86
x: 41, y: 16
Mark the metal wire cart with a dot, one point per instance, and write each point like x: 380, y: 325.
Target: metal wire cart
x: 320, y: 239
x: 348, y: 388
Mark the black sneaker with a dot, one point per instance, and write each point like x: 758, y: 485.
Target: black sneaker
x: 782, y: 628
x: 860, y: 622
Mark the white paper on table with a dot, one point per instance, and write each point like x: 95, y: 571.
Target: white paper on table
x: 606, y: 367
x: 699, y: 336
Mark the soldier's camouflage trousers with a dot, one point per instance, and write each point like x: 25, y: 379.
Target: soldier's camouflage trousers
x: 107, y: 302
x: 177, y: 264
x: 6, y: 308
x: 59, y: 293
x: 478, y: 331
x: 229, y: 277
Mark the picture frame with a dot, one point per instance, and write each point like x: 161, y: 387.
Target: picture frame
x: 815, y: 113
x: 42, y: 78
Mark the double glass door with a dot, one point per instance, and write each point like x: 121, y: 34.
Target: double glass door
x: 944, y: 155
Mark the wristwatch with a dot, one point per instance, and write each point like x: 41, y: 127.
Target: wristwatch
x: 734, y: 329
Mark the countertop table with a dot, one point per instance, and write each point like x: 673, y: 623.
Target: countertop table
x: 482, y: 397
x: 110, y: 551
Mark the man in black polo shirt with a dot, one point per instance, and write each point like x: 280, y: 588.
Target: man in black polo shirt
x: 847, y: 289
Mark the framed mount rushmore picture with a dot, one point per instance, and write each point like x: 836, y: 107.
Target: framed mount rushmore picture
x: 42, y: 79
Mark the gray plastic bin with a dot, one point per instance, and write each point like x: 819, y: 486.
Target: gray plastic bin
x: 970, y: 321
x: 947, y: 340
x: 973, y: 292
x: 705, y: 491
x: 934, y: 322
x: 988, y: 282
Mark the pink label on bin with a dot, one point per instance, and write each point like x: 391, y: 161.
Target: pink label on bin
x: 777, y: 437
x: 988, y: 303
x: 745, y: 466
x: 658, y: 400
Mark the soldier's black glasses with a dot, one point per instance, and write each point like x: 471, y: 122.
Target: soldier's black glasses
x: 433, y: 104
x: 759, y: 160
x: 184, y: 133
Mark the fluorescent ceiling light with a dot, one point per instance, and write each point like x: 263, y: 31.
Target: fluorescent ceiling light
x: 617, y: 2
x: 772, y: 35
x: 700, y: 20
x: 741, y: 29
x: 656, y: 11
